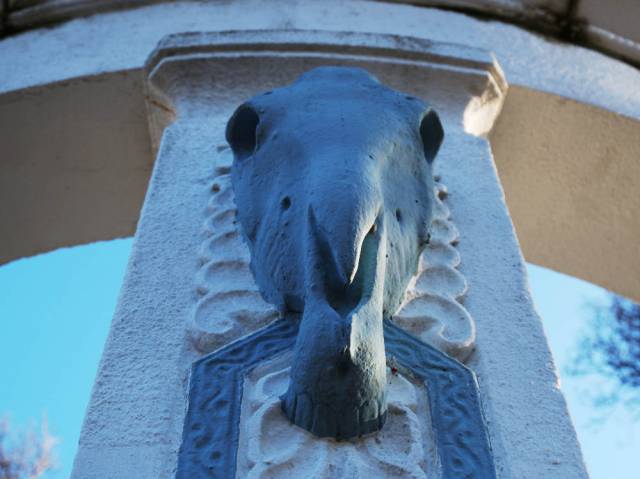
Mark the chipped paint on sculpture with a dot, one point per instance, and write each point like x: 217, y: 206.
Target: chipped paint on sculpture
x: 333, y: 181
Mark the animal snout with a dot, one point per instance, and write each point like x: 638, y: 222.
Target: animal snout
x: 346, y: 247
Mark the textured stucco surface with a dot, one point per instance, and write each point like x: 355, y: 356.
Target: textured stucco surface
x: 134, y: 420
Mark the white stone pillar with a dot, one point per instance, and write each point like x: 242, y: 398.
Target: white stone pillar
x: 179, y: 303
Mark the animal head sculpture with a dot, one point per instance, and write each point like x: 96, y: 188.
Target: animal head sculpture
x: 333, y: 182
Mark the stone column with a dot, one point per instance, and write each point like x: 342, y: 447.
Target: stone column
x: 188, y: 290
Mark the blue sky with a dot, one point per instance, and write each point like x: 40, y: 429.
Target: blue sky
x: 565, y: 304
x: 55, y: 311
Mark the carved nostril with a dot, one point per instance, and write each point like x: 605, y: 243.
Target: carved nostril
x: 399, y: 215
x: 285, y: 203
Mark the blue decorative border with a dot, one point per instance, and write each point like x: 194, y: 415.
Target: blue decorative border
x: 454, y: 401
x: 211, y: 429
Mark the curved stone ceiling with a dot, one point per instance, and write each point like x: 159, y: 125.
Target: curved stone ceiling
x: 610, y: 27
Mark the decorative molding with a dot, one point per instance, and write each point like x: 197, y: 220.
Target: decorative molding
x: 433, y: 309
x: 211, y: 428
x: 454, y: 399
x: 192, y: 45
x: 182, y: 53
x: 187, y: 72
x: 229, y: 304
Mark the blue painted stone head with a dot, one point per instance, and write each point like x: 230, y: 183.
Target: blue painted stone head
x: 333, y: 182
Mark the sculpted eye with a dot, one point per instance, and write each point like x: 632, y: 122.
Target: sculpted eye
x: 431, y: 133
x: 241, y: 131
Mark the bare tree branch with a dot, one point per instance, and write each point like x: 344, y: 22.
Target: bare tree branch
x: 610, y: 352
x: 28, y: 455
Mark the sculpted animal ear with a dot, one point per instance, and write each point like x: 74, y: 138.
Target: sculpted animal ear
x: 432, y: 134
x: 241, y: 131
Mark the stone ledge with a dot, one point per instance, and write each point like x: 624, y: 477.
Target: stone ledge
x: 472, y: 73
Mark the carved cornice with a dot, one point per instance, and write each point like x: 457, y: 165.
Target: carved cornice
x: 189, y: 71
x: 192, y: 48
x: 333, y: 44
